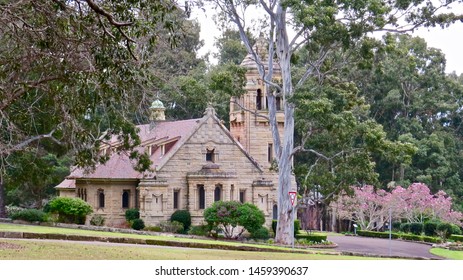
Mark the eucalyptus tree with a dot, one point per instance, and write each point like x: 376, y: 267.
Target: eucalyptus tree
x: 69, y: 70
x: 325, y: 26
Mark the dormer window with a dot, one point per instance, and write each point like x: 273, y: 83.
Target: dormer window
x: 210, y: 155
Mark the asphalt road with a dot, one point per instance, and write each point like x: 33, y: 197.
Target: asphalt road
x: 382, y: 247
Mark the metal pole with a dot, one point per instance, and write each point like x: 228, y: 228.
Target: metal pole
x: 390, y: 231
x: 292, y: 225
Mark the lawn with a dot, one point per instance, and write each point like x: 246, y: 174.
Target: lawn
x: 69, y: 250
x: 29, y: 249
x: 446, y: 253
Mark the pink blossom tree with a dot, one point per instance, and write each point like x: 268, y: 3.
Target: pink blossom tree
x: 370, y: 208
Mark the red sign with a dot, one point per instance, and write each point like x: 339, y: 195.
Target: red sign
x: 292, y: 197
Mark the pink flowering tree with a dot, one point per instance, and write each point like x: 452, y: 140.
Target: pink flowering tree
x: 417, y: 204
x: 370, y: 208
x: 366, y: 207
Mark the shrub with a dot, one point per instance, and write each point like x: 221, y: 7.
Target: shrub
x: 137, y: 224
x: 430, y: 228
x: 182, y: 216
x: 416, y: 228
x: 413, y: 237
x: 297, y: 226
x: 70, y: 209
x: 201, y: 230
x: 97, y: 220
x: 405, y: 227
x: 175, y: 226
x: 456, y: 229
x: 228, y: 215
x: 456, y: 237
x: 11, y: 210
x: 444, y: 230
x: 377, y: 234
x: 432, y: 239
x: 154, y: 229
x: 30, y: 215
x: 314, y: 238
x: 260, y: 234
x: 396, y: 226
x: 132, y: 214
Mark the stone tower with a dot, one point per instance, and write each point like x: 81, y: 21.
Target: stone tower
x: 248, y: 122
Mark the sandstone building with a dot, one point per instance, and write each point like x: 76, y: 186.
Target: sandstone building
x: 194, y: 163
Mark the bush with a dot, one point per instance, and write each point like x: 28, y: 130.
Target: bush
x: 405, y: 227
x: 70, y: 209
x: 456, y: 237
x: 11, y: 210
x: 396, y: 226
x: 132, y: 214
x: 228, y: 215
x: 456, y: 229
x: 413, y: 237
x: 416, y: 228
x: 314, y: 238
x: 97, y: 220
x: 260, y: 234
x: 201, y: 230
x: 30, y: 215
x: 154, y: 229
x: 377, y: 234
x: 182, y: 216
x: 175, y: 226
x: 430, y: 228
x: 297, y: 226
x: 432, y: 239
x: 444, y: 230
x: 137, y: 224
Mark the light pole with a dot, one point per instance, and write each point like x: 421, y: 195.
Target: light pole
x: 390, y: 231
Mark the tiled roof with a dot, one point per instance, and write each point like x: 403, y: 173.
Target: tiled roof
x: 120, y: 166
x: 67, y: 184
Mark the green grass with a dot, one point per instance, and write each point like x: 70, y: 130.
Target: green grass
x: 57, y: 230
x: 66, y: 250
x: 453, y: 255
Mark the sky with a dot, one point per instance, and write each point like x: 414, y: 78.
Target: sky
x: 449, y: 40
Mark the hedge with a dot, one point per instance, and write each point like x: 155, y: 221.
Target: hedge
x: 316, y: 237
x: 377, y: 234
x: 456, y: 237
x: 297, y: 226
x: 404, y: 236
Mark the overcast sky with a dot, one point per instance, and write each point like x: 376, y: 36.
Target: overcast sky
x: 449, y: 40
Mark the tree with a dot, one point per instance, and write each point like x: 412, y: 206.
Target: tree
x: 321, y: 26
x: 69, y: 70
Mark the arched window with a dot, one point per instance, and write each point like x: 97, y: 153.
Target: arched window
x: 218, y: 193
x: 101, y: 198
x: 201, y: 197
x: 275, y: 212
x: 125, y: 199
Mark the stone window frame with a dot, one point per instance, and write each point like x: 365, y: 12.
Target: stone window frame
x: 101, y: 199
x: 125, y: 199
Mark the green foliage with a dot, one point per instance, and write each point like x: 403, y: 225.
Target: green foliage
x: 444, y: 230
x: 97, y: 220
x: 396, y: 226
x: 200, y: 230
x: 456, y: 229
x: 228, y: 215
x: 377, y: 234
x: 405, y: 227
x: 416, y: 228
x: 430, y: 228
x: 456, y: 237
x: 11, y: 210
x: 184, y: 217
x: 137, y: 224
x: 70, y: 210
x: 297, y: 226
x: 30, y: 215
x: 174, y: 226
x: 316, y: 237
x: 153, y: 228
x: 260, y: 234
x: 132, y: 214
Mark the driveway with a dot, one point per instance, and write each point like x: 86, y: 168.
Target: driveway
x: 382, y: 247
